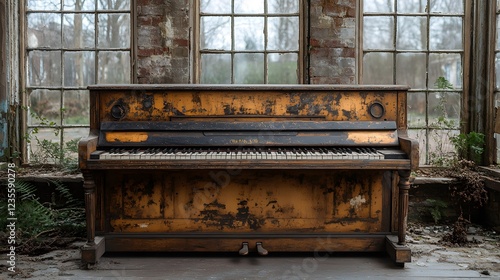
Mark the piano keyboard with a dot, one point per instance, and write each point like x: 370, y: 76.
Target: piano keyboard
x: 249, y: 154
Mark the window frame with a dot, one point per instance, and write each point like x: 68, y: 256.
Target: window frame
x: 26, y: 89
x: 465, y: 53
x: 196, y: 48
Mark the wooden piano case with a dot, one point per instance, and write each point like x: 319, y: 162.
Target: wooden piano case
x: 246, y: 206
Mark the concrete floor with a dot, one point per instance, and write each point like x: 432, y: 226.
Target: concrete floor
x: 282, y: 266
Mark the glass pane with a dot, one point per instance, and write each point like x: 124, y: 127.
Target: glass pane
x: 497, y: 70
x: 447, y: 6
x: 44, y: 30
x: 249, y: 33
x: 44, y: 107
x: 249, y: 68
x: 215, y: 6
x: 282, y: 68
x: 448, y: 66
x: 78, y: 31
x: 45, y: 5
x: 440, y: 147
x: 79, y: 68
x: 41, y: 154
x: 411, y: 70
x: 445, y: 33
x: 44, y: 68
x: 114, y: 30
x: 412, y: 6
x: 444, y: 110
x: 79, y: 5
x: 282, y: 6
x: 215, y: 68
x: 378, y: 32
x: 76, y: 107
x: 283, y: 33
x: 71, y: 137
x: 420, y: 136
x: 378, y: 6
x: 113, y: 5
x: 248, y: 7
x: 114, y: 68
x: 215, y: 33
x: 416, y: 109
x: 412, y: 33
x: 378, y: 68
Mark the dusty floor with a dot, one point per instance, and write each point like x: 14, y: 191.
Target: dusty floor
x: 430, y: 259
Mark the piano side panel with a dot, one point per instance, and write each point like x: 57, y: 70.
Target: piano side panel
x: 164, y: 105
x: 247, y: 201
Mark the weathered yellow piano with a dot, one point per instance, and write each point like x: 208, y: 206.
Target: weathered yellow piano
x: 268, y: 168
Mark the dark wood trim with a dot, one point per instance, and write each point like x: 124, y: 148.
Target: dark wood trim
x: 233, y: 87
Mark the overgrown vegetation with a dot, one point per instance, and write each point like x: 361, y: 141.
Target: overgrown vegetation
x: 51, y: 153
x: 437, y: 207
x: 467, y: 190
x: 43, y: 226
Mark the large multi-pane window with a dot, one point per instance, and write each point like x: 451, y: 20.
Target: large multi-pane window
x: 69, y: 45
x: 248, y: 42
x: 419, y: 43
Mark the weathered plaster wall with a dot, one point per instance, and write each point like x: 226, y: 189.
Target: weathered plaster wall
x: 163, y: 41
x: 3, y: 83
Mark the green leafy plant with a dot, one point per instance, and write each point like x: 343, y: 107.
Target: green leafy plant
x: 64, y: 215
x: 49, y: 152
x: 437, y: 207
x: 471, y: 143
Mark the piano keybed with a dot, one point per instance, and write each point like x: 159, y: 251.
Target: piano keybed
x: 285, y: 154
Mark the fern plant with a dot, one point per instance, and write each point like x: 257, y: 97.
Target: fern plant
x: 64, y: 214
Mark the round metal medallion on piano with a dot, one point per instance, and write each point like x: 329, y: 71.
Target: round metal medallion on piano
x: 376, y: 110
x: 118, y: 111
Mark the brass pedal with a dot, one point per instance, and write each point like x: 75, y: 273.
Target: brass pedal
x: 244, y: 249
x: 261, y: 250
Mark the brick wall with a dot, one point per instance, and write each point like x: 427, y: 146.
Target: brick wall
x: 332, y: 42
x: 163, y: 41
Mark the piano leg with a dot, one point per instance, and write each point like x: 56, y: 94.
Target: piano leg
x: 396, y: 246
x: 404, y: 187
x: 94, y: 248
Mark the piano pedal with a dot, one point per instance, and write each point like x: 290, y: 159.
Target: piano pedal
x: 261, y: 250
x: 244, y: 249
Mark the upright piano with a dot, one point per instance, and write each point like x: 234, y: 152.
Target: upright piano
x: 250, y: 169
